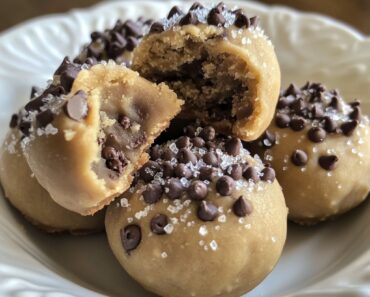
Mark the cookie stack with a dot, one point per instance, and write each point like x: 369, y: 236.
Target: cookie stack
x: 195, y: 205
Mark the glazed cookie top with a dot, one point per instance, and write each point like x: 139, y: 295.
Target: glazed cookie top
x: 194, y: 169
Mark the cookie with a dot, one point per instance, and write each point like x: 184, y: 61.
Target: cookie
x: 204, y: 218
x: 319, y: 146
x: 219, y: 62
x: 25, y: 193
x: 87, y: 133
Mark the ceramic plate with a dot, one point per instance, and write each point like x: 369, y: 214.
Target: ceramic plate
x: 332, y: 259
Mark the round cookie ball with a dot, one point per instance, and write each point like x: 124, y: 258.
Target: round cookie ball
x: 219, y: 62
x: 319, y: 146
x: 25, y: 193
x: 214, y: 225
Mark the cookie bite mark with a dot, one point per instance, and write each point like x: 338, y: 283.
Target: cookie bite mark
x: 102, y: 127
x: 218, y: 61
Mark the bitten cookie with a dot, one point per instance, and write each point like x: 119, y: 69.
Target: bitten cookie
x: 204, y: 218
x: 220, y: 62
x: 87, y: 133
x: 33, y: 201
x: 319, y: 147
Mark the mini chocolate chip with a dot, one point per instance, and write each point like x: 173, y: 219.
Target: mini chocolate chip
x: 317, y: 112
x: 118, y: 164
x: 124, y: 121
x: 174, y: 188
x: 167, y: 169
x: 328, y: 162
x: 334, y: 103
x: 168, y: 154
x: 24, y: 127
x: 235, y: 171
x: 355, y: 114
x: 207, y: 173
x: 225, y: 185
x: 241, y: 20
x: 152, y: 193
x: 155, y: 152
x: 299, y: 158
x: 183, y: 142
x: 158, y: 223
x: 35, y: 104
x: 119, y: 38
x: 197, y: 190
x: 44, y: 118
x: 251, y: 173
x: 316, y: 134
x: 284, y: 102
x: 268, y: 174
x: 76, y: 107
x: 349, y: 127
x: 13, y: 121
x: 189, y: 19
x: 254, y: 21
x: 174, y: 10
x: 208, y: 133
x: 181, y: 170
x: 196, y: 5
x: 130, y: 237
x: 330, y: 125
x: 207, y: 211
x: 198, y: 142
x: 133, y: 29
x: 157, y: 27
x: 34, y: 91
x: 215, y: 18
x: 132, y: 42
x: 190, y: 131
x: 297, y: 123
x: 282, y: 120
x: 186, y: 155
x: 67, y: 72
x: 233, y: 146
x: 268, y: 139
x: 211, y: 158
x: 298, y: 105
x: 292, y: 90
x: 115, y: 49
x: 242, y: 207
x: 109, y: 152
x: 149, y: 170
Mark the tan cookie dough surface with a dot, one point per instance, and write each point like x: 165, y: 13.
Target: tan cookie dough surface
x: 84, y: 144
x: 328, y: 175
x: 34, y: 202
x: 215, y: 227
x: 218, y: 61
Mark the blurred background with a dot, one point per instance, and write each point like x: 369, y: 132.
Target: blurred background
x: 354, y: 12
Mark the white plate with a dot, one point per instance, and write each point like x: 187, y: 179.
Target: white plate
x: 332, y: 259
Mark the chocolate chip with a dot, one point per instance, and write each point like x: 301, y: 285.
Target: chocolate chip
x: 34, y: 91
x: 211, y: 145
x: 119, y: 38
x: 292, y: 90
x: 155, y: 152
x: 268, y: 174
x: 67, y: 72
x: 299, y: 158
x: 174, y: 10
x: 132, y: 43
x: 349, y: 127
x: 208, y: 133
x: 44, y: 118
x: 235, y: 171
x: 183, y: 142
x: 220, y: 7
x: 190, y: 131
x: 174, y: 188
x: 355, y: 114
x: 109, y: 152
x: 189, y: 19
x: 115, y: 49
x: 254, y: 21
x: 298, y: 105
x: 233, y: 146
x: 242, y: 207
x: 130, y: 237
x: 35, y: 104
x: 24, y: 127
x: 156, y: 27
x: 158, y: 223
x: 198, y: 142
x: 328, y: 162
x: 118, y: 164
x: 317, y: 112
x: 196, y: 5
x: 167, y: 169
x: 330, y: 125
x: 285, y: 101
x: 241, y: 20
x: 168, y: 154
x: 316, y: 134
x: 13, y: 121
x: 282, y: 120
x: 186, y: 155
x: 149, y: 170
x: 182, y: 171
x: 207, y: 173
x: 334, y: 103
x: 76, y: 107
x: 152, y: 193
x: 297, y: 123
x: 197, y: 190
x: 215, y: 18
x: 133, y: 29
x: 268, y: 139
x: 211, y: 158
x: 207, y: 211
x: 251, y: 174
x: 124, y: 121
x: 225, y: 185
x: 355, y: 103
